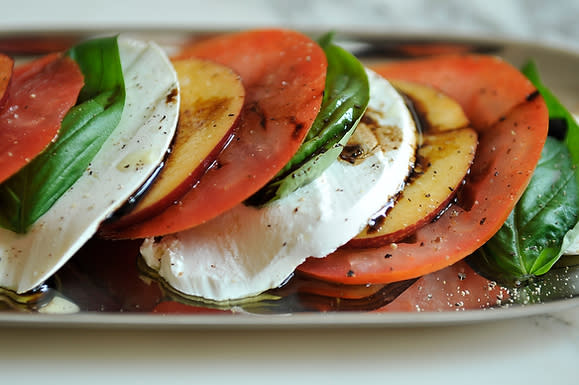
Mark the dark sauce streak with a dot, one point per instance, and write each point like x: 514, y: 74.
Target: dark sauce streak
x: 375, y: 223
x: 256, y: 108
x: 136, y: 197
x: 558, y: 128
x: 297, y: 131
x: 421, y: 163
x: 532, y: 96
x: 465, y: 197
x: 172, y: 96
x: 404, y: 49
x: 417, y: 112
x: 298, y: 128
x: 32, y: 300
x: 350, y: 153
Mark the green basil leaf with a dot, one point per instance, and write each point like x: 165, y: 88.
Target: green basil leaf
x: 346, y: 97
x: 561, y: 282
x: 529, y: 242
x: 556, y: 111
x: 26, y: 196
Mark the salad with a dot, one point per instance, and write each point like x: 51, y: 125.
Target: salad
x: 256, y: 164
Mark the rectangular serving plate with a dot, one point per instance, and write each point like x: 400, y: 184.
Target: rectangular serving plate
x: 558, y: 69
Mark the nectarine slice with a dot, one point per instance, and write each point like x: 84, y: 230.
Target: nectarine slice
x: 212, y: 96
x: 438, y: 111
x: 443, y: 162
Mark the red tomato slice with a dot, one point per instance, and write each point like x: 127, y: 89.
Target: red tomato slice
x: 506, y: 157
x: 40, y: 94
x: 283, y: 73
x: 454, y: 288
x: 6, y: 68
x: 486, y: 87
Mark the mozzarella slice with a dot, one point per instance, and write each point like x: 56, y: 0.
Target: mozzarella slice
x: 123, y: 164
x: 248, y: 250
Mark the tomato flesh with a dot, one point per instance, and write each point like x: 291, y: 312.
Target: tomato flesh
x: 283, y: 73
x: 486, y: 87
x: 39, y: 96
x: 455, y: 288
x: 511, y: 120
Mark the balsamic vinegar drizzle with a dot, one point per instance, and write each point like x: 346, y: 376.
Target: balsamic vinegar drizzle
x: 412, y: 48
x: 31, y: 301
x: 110, y: 277
x: 376, y: 222
x: 289, y: 298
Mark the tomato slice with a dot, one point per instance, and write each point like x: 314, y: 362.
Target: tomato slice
x: 283, y: 73
x: 506, y: 157
x: 39, y: 96
x: 6, y: 68
x: 455, y: 288
x: 486, y: 87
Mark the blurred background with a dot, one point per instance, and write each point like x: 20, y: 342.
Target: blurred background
x: 553, y: 23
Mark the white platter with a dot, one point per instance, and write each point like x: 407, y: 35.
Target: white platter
x: 558, y: 68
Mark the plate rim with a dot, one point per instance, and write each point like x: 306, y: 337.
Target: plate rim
x: 293, y: 320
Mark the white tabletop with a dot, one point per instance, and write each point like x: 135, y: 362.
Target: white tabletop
x: 531, y: 350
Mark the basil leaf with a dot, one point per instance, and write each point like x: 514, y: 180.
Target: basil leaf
x: 556, y: 111
x: 561, y: 282
x: 31, y: 192
x: 346, y: 97
x: 529, y: 242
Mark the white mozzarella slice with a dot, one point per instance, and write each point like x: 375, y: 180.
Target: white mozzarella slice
x: 125, y: 161
x: 248, y: 250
